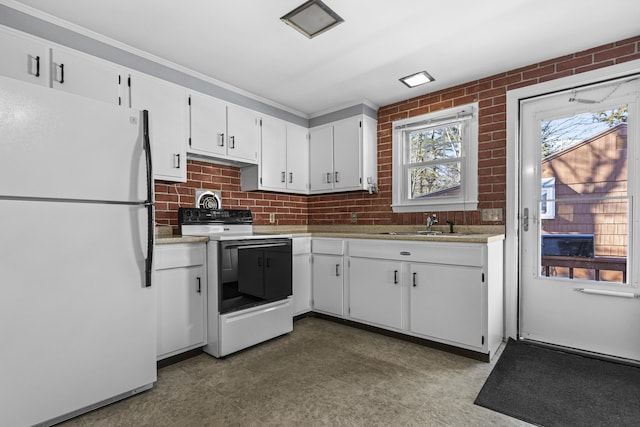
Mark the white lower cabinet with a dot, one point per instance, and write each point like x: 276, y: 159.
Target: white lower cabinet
x: 180, y: 289
x: 441, y: 291
x: 447, y: 302
x: 301, y: 275
x: 328, y: 276
x: 375, y: 291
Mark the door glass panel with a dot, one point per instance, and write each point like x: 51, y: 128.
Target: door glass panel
x: 583, y: 203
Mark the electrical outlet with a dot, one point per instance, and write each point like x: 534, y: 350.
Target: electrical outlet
x: 354, y: 217
x: 489, y: 215
x: 272, y: 218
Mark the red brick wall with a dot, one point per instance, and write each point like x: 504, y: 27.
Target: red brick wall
x: 289, y: 209
x: 489, y: 92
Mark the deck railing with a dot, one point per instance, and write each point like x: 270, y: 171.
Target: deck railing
x: 597, y: 263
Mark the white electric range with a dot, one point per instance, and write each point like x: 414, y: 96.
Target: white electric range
x: 249, y: 279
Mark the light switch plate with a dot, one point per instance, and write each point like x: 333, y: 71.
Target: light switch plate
x: 354, y: 217
x: 489, y: 215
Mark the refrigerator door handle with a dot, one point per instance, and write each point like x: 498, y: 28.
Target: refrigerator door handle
x: 149, y: 202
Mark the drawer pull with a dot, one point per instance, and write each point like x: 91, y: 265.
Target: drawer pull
x: 199, y: 290
x: 405, y: 253
x: 395, y: 277
x: 415, y: 281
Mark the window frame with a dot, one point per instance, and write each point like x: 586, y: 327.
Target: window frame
x: 467, y: 199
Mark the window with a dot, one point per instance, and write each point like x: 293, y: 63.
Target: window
x: 548, y: 199
x: 435, y: 161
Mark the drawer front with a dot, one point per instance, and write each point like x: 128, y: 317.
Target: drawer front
x: 179, y: 255
x: 471, y: 254
x: 252, y: 326
x: 328, y: 246
x: 301, y: 245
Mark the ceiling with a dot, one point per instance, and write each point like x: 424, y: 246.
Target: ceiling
x: 243, y: 42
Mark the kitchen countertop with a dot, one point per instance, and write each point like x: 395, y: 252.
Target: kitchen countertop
x: 463, y: 234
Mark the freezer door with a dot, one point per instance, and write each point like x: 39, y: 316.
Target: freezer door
x: 59, y: 145
x: 77, y: 324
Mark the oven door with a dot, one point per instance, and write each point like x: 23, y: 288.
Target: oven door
x: 254, y: 272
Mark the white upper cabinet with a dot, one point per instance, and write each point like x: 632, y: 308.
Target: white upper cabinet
x: 243, y: 128
x: 207, y: 125
x: 284, y: 159
x: 274, y: 154
x: 24, y: 58
x: 297, y: 158
x: 343, y: 155
x: 223, y: 131
x: 165, y: 102
x: 75, y: 72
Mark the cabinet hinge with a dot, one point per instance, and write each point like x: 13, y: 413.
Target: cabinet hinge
x: 349, y: 310
x: 119, y: 80
x: 119, y: 100
x: 483, y: 340
x: 189, y: 101
x: 360, y: 123
x: 482, y: 277
x: 260, y: 122
x: 189, y: 141
x: 129, y: 81
x: 360, y: 180
x: 260, y: 180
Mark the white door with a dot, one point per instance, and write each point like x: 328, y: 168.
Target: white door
x: 24, y: 58
x: 86, y: 75
x: 321, y: 159
x: 375, y: 291
x: 243, y: 126
x: 328, y: 284
x: 446, y: 302
x: 578, y: 244
x: 207, y: 124
x: 346, y: 153
x: 274, y: 153
x: 297, y: 158
x: 165, y: 102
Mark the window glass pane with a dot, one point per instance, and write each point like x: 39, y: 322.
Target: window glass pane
x: 435, y: 143
x: 435, y: 181
x: 587, y: 239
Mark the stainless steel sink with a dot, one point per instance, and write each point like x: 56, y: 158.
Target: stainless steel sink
x: 411, y: 233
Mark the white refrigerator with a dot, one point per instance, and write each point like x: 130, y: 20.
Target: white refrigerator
x: 76, y: 241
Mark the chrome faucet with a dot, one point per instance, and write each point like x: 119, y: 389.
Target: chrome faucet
x: 431, y: 219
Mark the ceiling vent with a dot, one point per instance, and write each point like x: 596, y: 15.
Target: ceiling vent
x: 312, y: 18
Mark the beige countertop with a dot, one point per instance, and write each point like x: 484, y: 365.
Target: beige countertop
x: 462, y: 234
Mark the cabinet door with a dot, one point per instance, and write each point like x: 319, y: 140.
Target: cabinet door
x: 180, y: 308
x: 446, y: 302
x: 165, y: 102
x: 375, y: 291
x: 301, y: 283
x: 243, y: 126
x: 85, y: 75
x: 297, y: 158
x: 347, y: 154
x: 24, y: 59
x: 277, y: 273
x: 321, y: 159
x: 328, y: 284
x: 274, y: 153
x: 207, y: 124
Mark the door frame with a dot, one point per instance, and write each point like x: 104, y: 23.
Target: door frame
x: 512, y: 223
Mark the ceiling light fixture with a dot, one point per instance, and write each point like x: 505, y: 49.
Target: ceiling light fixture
x: 417, y: 79
x: 312, y: 18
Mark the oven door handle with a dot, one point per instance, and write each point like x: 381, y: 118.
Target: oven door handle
x: 257, y: 246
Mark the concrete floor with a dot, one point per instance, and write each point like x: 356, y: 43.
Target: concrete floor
x: 323, y: 373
